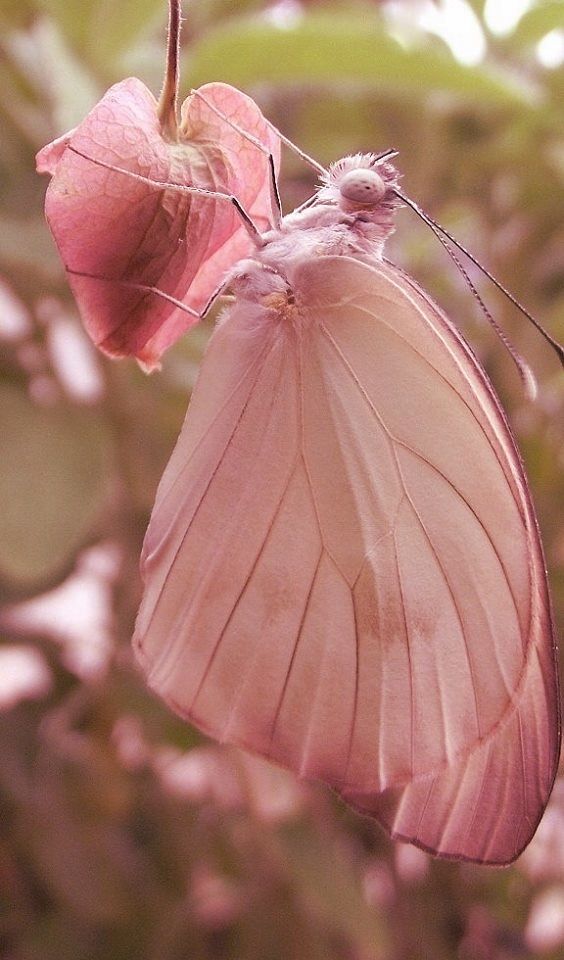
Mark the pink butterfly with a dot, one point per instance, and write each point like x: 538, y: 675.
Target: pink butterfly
x: 343, y: 569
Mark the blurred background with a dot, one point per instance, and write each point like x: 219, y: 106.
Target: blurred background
x: 123, y: 832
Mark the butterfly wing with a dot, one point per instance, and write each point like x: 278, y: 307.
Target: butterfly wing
x: 343, y: 570
x: 456, y: 658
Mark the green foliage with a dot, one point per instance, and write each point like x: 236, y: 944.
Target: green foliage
x: 51, y: 455
x: 100, y: 30
x: 349, y: 45
x: 100, y: 859
x: 537, y: 22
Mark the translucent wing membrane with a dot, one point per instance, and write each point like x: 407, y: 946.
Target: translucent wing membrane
x: 343, y: 570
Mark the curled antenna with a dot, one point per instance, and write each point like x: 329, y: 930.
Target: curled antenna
x: 441, y: 233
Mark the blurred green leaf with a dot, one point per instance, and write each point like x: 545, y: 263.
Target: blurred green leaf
x: 206, y: 12
x: 52, y: 485
x: 114, y: 27
x: 536, y: 23
x: 320, y: 47
x: 477, y: 6
x: 73, y: 90
x: 102, y: 29
x: 333, y: 897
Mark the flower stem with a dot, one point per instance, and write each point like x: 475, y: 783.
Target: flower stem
x: 167, y: 110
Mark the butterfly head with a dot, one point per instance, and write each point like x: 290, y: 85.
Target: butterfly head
x: 362, y: 181
x: 363, y: 186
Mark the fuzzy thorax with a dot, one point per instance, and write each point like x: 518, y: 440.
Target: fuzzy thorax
x: 352, y: 215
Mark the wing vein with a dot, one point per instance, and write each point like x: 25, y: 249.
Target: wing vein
x: 241, y: 593
x: 356, y: 687
x: 218, y: 547
x: 408, y: 650
x: 447, y: 383
x: 263, y: 356
x: 295, y: 648
x: 456, y: 608
x: 478, y: 519
x: 394, y: 440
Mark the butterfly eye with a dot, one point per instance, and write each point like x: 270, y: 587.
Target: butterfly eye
x: 362, y: 186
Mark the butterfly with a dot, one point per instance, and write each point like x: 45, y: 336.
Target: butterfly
x: 343, y: 570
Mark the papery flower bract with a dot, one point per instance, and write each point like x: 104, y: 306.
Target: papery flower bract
x: 115, y: 228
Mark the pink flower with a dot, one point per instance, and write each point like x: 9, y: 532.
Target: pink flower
x: 118, y: 235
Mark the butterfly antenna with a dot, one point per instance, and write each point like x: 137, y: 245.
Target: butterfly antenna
x: 526, y: 374
x: 441, y: 232
x: 388, y: 154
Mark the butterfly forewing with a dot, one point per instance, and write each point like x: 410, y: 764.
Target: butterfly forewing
x: 343, y: 570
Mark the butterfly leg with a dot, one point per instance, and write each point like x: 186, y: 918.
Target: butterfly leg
x: 384, y: 155
x: 147, y: 288
x: 246, y: 219
x: 275, y: 204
